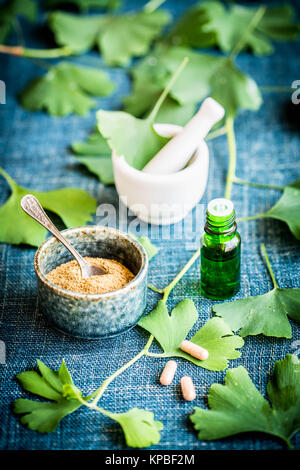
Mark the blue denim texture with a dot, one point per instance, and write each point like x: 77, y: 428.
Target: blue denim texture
x: 34, y: 150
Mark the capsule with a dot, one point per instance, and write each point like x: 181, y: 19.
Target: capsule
x: 194, y: 350
x: 187, y: 388
x: 168, y: 373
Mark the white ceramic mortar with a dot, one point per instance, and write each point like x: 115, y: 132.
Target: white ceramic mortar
x: 162, y: 199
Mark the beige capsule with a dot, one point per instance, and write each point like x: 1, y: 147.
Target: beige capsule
x: 194, y: 350
x: 187, y: 388
x: 168, y: 373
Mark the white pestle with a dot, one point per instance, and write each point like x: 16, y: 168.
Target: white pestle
x: 177, y: 152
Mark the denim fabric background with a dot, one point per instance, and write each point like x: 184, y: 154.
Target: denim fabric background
x: 34, y: 150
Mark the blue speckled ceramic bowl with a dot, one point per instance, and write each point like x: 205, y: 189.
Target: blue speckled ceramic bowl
x: 93, y: 316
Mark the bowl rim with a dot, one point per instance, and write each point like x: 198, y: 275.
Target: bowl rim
x: 93, y: 297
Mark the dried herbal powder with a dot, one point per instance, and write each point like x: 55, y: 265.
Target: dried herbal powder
x: 68, y: 276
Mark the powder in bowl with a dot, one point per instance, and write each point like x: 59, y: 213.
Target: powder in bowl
x: 68, y: 276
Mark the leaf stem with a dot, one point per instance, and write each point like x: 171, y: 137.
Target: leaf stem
x: 251, y: 217
x: 6, y: 176
x: 251, y: 26
x: 99, y: 392
x: 93, y: 406
x: 155, y: 289
x: 265, y: 255
x: 152, y: 5
x: 167, y: 290
x: 151, y: 354
x: 229, y: 124
x: 164, y: 94
x: 36, y: 53
x: 216, y: 133
x: 256, y: 185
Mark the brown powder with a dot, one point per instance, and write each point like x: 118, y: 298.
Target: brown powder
x: 68, y: 276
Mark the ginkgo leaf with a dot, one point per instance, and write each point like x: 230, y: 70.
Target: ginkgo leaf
x: 211, y: 23
x: 170, y: 330
x: 263, y: 314
x: 150, y: 249
x: 10, y: 9
x: 287, y: 208
x: 141, y: 99
x: 45, y: 416
x: 122, y: 129
x: 238, y: 407
x: 205, y: 74
x: 85, y: 5
x: 217, y: 77
x: 139, y: 427
x: 118, y: 37
x: 74, y: 206
x: 65, y: 89
x: 95, y: 154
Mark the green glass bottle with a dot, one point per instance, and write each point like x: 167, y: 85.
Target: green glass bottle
x: 220, y: 251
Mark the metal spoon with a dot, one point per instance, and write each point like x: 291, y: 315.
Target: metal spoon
x: 32, y: 207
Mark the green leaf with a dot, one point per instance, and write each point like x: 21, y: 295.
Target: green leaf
x: 145, y: 93
x: 266, y: 314
x: 121, y: 129
x: 217, y: 77
x: 95, y: 154
x: 45, y: 416
x: 217, y: 338
x: 263, y: 314
x: 171, y: 330
x: 85, y: 5
x: 74, y: 206
x: 150, y: 249
x: 211, y: 23
x: 11, y: 9
x: 139, y: 427
x: 206, y: 75
x: 287, y: 208
x: 238, y: 407
x: 34, y: 383
x: 66, y: 89
x: 118, y: 37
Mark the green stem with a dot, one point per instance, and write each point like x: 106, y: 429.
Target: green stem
x: 6, y: 176
x: 251, y: 217
x: 167, y: 290
x: 229, y: 123
x: 251, y: 26
x: 256, y: 185
x: 216, y: 133
x: 99, y: 392
x: 93, y: 406
x: 289, y: 444
x: 36, y: 53
x: 164, y: 94
x: 265, y: 255
x: 155, y: 289
x: 151, y: 354
x: 153, y: 5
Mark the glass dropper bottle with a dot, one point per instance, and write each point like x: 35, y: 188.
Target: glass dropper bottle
x: 220, y: 251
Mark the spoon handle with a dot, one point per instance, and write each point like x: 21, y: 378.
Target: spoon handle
x: 32, y: 207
